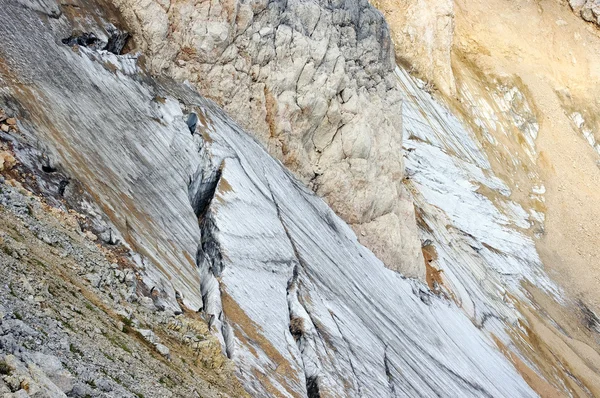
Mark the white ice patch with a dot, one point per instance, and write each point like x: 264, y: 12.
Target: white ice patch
x: 481, y: 251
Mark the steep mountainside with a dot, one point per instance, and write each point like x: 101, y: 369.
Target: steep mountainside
x: 72, y: 320
x: 520, y: 155
x: 151, y: 245
x: 314, y: 81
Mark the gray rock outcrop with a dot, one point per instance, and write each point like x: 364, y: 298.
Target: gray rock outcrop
x: 314, y: 82
x: 217, y: 225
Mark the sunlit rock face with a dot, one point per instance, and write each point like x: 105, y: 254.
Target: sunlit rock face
x: 465, y: 212
x: 314, y: 82
x: 501, y: 173
x: 481, y: 230
x: 423, y: 31
x: 218, y: 225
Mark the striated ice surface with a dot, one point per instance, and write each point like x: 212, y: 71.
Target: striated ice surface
x: 366, y: 330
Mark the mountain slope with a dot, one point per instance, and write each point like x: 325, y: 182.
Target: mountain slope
x: 216, y: 225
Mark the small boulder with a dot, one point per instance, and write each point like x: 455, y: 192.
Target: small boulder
x: 163, y: 350
x: 148, y: 335
x: 7, y: 161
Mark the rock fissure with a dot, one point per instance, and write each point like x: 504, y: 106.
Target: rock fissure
x: 202, y: 191
x: 297, y: 329
x: 355, y: 377
x: 297, y: 324
x: 387, y: 365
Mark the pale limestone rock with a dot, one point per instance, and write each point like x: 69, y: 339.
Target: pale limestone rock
x: 402, y: 229
x: 163, y: 350
x: 313, y: 83
x: 422, y: 33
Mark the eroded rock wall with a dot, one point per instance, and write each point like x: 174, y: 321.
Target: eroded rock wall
x: 216, y: 225
x: 313, y: 81
x: 422, y: 31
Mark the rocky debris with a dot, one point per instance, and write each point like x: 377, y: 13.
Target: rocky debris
x: 7, y: 161
x: 153, y: 339
x: 60, y: 336
x: 7, y: 158
x: 163, y: 350
x: 7, y: 123
x: 314, y: 82
x: 589, y: 10
x: 39, y: 173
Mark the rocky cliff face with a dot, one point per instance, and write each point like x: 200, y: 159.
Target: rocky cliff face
x: 314, y: 82
x: 214, y: 224
x: 208, y: 248
x: 422, y: 31
x: 519, y: 154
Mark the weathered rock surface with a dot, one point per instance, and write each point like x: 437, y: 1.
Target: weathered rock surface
x: 423, y: 31
x: 314, y: 82
x: 218, y: 225
x: 589, y: 10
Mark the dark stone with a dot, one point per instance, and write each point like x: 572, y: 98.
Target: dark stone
x: 84, y: 39
x: 192, y: 122
x: 116, y: 41
x: 312, y: 387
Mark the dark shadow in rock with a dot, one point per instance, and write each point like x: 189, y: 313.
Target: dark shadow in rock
x: 117, y: 40
x: 84, y: 39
